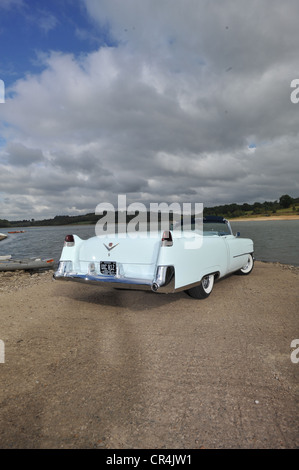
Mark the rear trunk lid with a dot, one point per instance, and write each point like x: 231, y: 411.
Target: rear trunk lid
x: 134, y: 257
x: 141, y: 250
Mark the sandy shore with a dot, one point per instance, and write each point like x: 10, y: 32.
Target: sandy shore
x: 271, y: 217
x: 89, y: 367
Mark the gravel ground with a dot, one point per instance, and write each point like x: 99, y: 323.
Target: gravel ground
x: 92, y: 367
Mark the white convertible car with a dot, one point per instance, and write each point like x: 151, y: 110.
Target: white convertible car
x: 172, y: 261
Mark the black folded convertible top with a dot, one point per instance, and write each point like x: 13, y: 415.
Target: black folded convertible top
x: 214, y: 218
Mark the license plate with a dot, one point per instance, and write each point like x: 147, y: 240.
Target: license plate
x: 108, y: 268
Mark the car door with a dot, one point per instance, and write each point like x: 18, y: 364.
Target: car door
x: 237, y: 252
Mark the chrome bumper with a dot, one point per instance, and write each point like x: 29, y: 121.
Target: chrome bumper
x: 164, y: 281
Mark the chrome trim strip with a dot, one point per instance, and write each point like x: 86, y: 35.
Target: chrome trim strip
x: 243, y: 254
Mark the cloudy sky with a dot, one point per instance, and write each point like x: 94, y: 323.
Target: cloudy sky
x: 160, y: 100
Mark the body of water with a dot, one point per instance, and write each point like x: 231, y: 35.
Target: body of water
x: 274, y: 240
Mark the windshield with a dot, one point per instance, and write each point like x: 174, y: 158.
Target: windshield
x: 208, y: 227
x: 216, y: 228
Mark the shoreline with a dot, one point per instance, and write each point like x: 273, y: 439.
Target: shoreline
x: 233, y: 219
x: 264, y: 219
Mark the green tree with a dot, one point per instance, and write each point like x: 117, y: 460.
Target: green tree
x: 285, y: 201
x: 4, y: 223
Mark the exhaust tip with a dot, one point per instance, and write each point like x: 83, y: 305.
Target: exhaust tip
x: 155, y: 287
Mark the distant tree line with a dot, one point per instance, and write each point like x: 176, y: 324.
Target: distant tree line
x: 91, y: 218
x: 226, y: 210
x: 257, y: 208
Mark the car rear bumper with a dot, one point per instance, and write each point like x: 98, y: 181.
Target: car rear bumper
x: 164, y: 281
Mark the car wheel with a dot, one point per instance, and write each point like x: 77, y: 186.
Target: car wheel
x: 248, y: 267
x: 204, y: 289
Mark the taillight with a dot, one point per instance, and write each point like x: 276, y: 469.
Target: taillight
x: 167, y: 238
x: 69, y: 240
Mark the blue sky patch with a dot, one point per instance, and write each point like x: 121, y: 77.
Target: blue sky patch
x: 39, y: 26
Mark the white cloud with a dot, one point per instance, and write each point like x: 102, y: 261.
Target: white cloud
x: 168, y: 114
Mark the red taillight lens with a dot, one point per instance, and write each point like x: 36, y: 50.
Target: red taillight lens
x: 69, y: 240
x: 167, y: 238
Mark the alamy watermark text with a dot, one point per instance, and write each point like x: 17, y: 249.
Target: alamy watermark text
x: 147, y: 223
x: 295, y: 93
x: 295, y: 352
